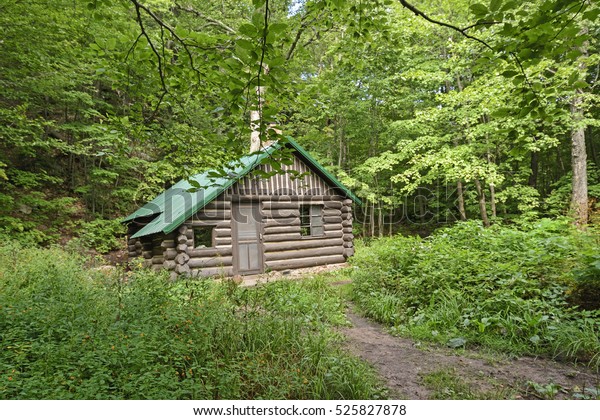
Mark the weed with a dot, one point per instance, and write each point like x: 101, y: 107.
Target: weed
x: 504, y: 288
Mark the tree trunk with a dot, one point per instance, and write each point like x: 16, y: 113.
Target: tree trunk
x: 579, y: 197
x: 255, y: 120
x: 461, y: 200
x: 372, y: 219
x: 482, y: 205
x: 493, y: 200
x: 535, y: 164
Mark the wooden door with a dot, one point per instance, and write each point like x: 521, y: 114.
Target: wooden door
x: 247, y: 247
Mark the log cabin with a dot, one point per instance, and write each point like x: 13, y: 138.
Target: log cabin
x: 272, y: 210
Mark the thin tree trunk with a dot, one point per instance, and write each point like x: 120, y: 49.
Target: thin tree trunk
x: 482, y: 205
x: 372, y: 219
x: 461, y: 200
x: 380, y: 220
x: 535, y: 164
x: 493, y: 200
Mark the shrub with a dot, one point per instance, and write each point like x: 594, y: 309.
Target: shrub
x: 71, y: 333
x: 501, y: 287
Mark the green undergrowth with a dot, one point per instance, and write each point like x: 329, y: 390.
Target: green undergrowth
x: 71, y: 333
x: 508, y: 289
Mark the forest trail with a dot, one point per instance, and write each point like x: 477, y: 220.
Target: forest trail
x: 403, y: 364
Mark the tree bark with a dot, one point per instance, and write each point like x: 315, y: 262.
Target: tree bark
x: 461, y: 200
x: 579, y: 197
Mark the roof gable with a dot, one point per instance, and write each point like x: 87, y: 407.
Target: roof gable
x: 175, y: 205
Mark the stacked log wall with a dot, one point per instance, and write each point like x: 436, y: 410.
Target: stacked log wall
x: 218, y: 259
x: 283, y: 244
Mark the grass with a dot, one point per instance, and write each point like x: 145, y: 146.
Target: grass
x: 72, y: 333
x: 510, y: 290
x: 448, y: 384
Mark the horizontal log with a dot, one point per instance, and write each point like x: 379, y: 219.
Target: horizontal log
x: 347, y: 202
x: 133, y: 254
x: 284, y: 237
x: 346, y: 209
x: 295, y: 221
x: 132, y: 248
x: 169, y: 265
x: 305, y: 199
x: 182, y: 247
x: 131, y: 241
x: 305, y: 262
x: 168, y: 243
x: 146, y: 263
x: 182, y: 239
x: 347, y: 230
x: 138, y: 245
x: 333, y: 204
x: 215, y: 223
x: 157, y: 267
x: 333, y: 234
x: 346, y: 216
x: 332, y: 219
x: 332, y: 226
x: 218, y: 205
x: 276, y: 205
x: 304, y: 253
x: 348, y: 245
x: 169, y: 254
x: 222, y: 241
x: 348, y: 237
x: 302, y: 244
x: 212, y: 215
x: 332, y: 212
x: 281, y: 213
x: 147, y: 254
x: 209, y: 252
x: 347, y: 223
x: 182, y: 229
x: 282, y: 229
x: 348, y: 252
x: 213, y: 272
x: 210, y: 262
x: 222, y: 232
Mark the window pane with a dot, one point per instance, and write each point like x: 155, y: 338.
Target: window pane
x: 203, y: 237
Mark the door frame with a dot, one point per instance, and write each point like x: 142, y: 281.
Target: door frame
x: 255, y: 205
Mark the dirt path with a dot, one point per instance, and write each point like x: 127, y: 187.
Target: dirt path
x: 403, y: 365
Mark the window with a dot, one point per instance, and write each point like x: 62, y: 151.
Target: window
x: 203, y: 237
x: 311, y: 220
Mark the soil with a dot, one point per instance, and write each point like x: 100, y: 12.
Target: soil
x: 403, y: 363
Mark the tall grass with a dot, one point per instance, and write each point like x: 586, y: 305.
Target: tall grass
x: 514, y: 290
x: 70, y: 333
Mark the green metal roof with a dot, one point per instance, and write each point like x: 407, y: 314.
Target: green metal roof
x: 182, y: 200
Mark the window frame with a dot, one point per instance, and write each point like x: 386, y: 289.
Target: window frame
x: 311, y: 220
x: 212, y: 236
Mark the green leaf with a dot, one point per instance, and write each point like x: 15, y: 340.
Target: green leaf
x: 478, y: 9
x: 278, y: 27
x: 457, y: 342
x: 509, y: 73
x: 245, y: 44
x: 573, y: 78
x: 495, y: 5
x: 248, y: 30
